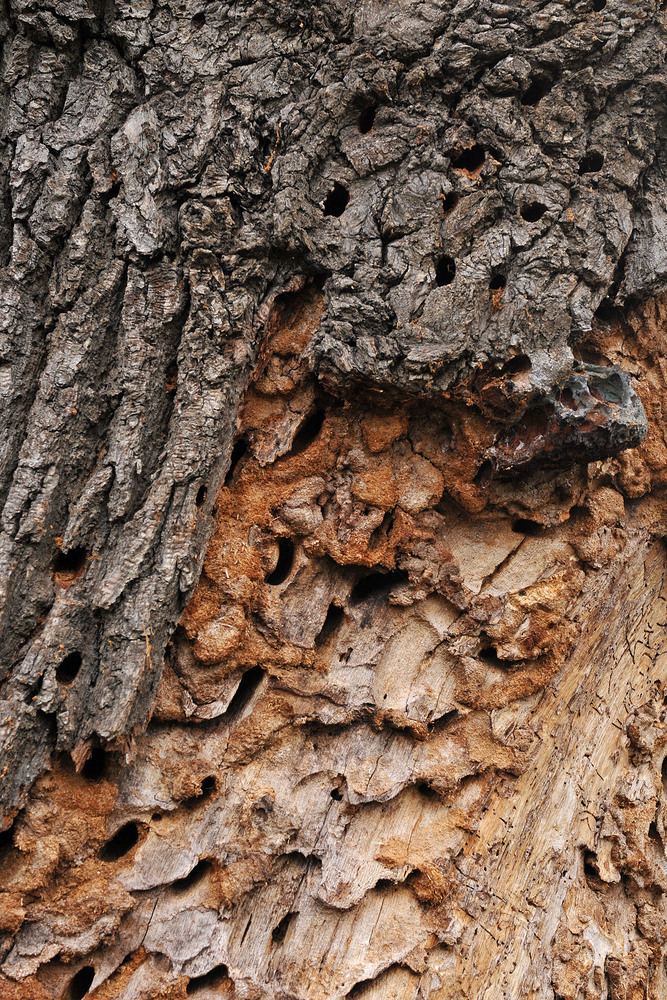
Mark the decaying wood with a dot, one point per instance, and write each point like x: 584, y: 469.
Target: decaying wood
x: 333, y: 497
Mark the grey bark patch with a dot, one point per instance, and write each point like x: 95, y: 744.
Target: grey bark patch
x: 596, y: 414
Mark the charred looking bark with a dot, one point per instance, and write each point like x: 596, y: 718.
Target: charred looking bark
x: 455, y: 193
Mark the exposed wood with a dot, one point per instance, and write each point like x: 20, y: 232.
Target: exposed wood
x: 396, y: 747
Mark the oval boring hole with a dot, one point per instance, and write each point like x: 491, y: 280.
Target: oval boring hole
x: 445, y: 270
x: 284, y: 564
x: 96, y: 764
x: 490, y: 655
x: 249, y: 683
x: 238, y: 451
x: 532, y: 211
x: 198, y: 873
x: 607, y: 311
x: 498, y: 281
x: 449, y: 202
x: 591, y: 162
x: 443, y: 721
x: 121, y: 843
x: 516, y: 365
x: 375, y: 586
x: 280, y: 930
x: 200, y: 499
x: 68, y: 565
x: 590, y: 870
x: 208, y: 786
x: 655, y: 836
x: 7, y: 839
x: 68, y: 668
x: 210, y: 980
x: 524, y: 526
x: 334, y: 617
x: 367, y: 118
x: 336, y: 201
x: 599, y: 5
x: 199, y: 20
x: 469, y: 159
x: 484, y: 474
x: 307, y: 432
x: 538, y: 88
x: 80, y: 983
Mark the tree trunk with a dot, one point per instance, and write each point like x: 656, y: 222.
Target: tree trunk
x: 332, y: 482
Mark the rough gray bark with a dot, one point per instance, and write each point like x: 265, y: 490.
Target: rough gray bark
x: 453, y: 200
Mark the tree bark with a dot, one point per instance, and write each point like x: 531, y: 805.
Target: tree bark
x: 332, y: 482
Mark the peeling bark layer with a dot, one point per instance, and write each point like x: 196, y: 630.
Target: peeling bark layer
x: 333, y: 601
x: 401, y: 747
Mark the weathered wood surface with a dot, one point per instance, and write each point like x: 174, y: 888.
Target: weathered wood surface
x: 400, y: 748
x: 340, y: 305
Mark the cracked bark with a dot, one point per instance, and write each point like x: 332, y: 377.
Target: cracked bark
x: 332, y: 481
